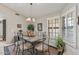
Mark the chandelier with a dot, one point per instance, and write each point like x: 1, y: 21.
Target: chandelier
x: 30, y: 18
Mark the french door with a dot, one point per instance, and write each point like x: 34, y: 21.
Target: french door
x: 54, y: 29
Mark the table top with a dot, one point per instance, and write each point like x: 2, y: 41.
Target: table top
x: 31, y: 39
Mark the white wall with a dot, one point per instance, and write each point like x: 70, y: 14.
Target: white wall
x: 77, y: 27
x: 11, y: 22
x: 1, y: 28
x: 44, y: 23
x: 44, y: 26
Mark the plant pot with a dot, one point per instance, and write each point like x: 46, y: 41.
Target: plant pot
x: 60, y: 49
x: 30, y: 33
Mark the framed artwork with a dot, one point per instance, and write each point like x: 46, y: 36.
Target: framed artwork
x: 19, y: 26
x: 39, y: 26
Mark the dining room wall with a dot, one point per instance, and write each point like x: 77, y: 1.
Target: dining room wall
x: 44, y: 25
x: 11, y: 21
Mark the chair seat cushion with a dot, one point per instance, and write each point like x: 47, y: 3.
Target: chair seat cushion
x: 41, y: 47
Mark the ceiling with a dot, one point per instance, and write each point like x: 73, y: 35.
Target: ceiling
x: 36, y: 9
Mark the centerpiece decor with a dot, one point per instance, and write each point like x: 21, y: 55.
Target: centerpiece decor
x: 30, y: 20
x: 30, y: 31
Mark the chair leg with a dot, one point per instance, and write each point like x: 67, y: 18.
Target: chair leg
x: 27, y: 52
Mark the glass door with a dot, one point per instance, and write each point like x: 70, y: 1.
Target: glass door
x: 53, y: 30
x: 69, y: 29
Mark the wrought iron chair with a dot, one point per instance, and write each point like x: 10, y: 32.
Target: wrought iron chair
x: 22, y: 46
x: 10, y: 50
x: 41, y: 48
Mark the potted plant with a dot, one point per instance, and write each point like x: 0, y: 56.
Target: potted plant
x: 60, y: 44
x: 30, y: 28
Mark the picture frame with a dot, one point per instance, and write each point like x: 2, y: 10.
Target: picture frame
x: 19, y: 26
x: 39, y: 26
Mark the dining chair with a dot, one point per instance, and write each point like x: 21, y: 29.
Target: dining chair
x: 24, y: 47
x: 41, y: 48
x: 10, y: 50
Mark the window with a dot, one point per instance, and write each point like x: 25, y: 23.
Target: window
x: 54, y: 28
x: 69, y: 28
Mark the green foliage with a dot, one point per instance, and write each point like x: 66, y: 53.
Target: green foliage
x: 30, y: 27
x: 59, y: 42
